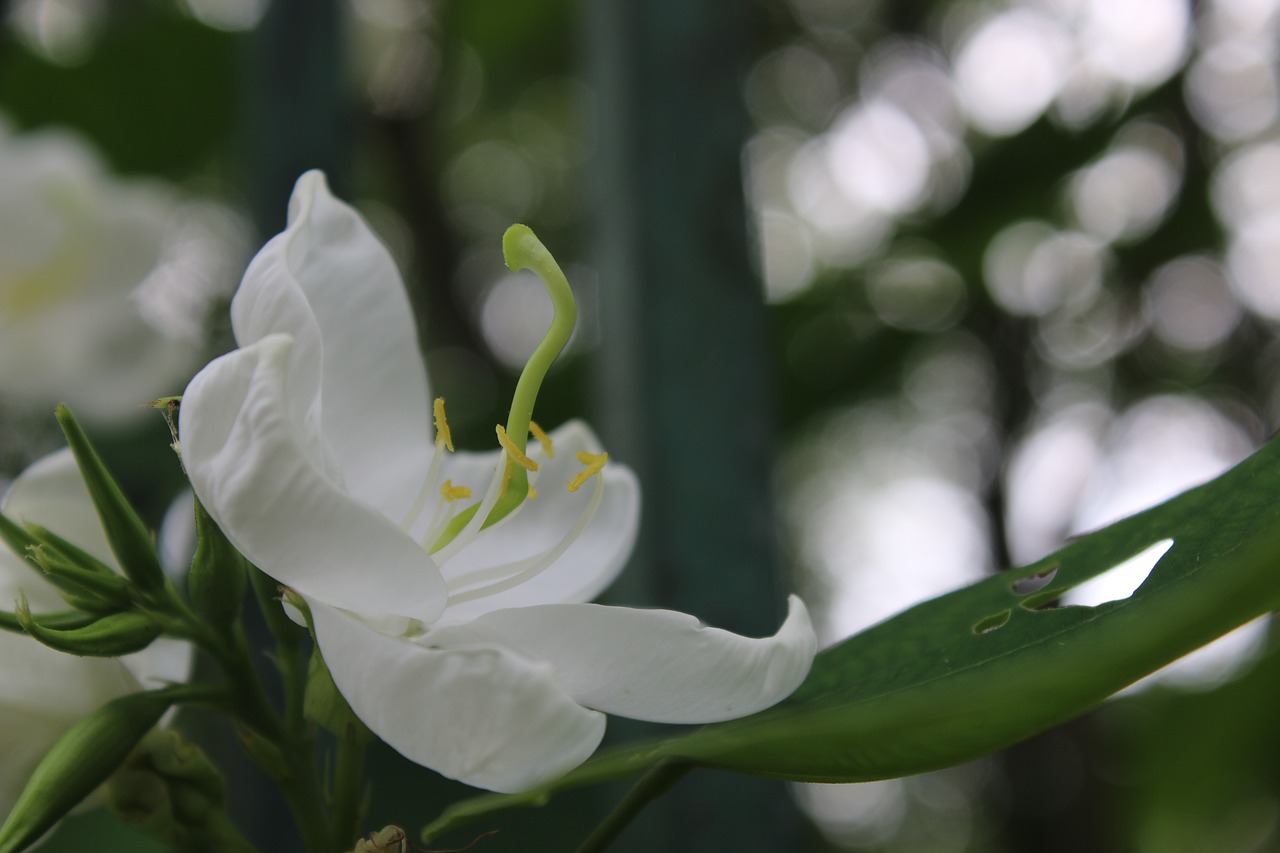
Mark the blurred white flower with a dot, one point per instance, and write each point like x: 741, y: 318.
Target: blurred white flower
x: 100, y: 306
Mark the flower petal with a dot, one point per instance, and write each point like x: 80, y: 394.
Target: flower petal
x: 656, y: 665
x: 479, y: 714
x: 262, y: 476
x: 51, y: 493
x: 329, y: 282
x: 589, y: 565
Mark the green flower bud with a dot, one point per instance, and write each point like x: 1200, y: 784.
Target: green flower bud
x: 16, y: 537
x: 82, y: 759
x: 170, y: 790
x: 85, y: 588
x: 323, y: 704
x: 128, y: 536
x: 111, y: 636
x: 69, y: 550
x: 218, y: 573
x: 61, y: 620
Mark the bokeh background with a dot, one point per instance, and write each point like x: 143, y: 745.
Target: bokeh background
x: 878, y: 298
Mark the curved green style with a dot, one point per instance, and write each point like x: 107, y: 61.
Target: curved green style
x: 523, y: 250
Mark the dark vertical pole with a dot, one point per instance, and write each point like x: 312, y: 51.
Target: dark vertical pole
x: 685, y: 389
x: 294, y: 98
x: 294, y: 122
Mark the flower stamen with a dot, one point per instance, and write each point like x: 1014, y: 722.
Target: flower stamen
x: 515, y: 453
x: 451, y: 493
x: 543, y: 439
x: 443, y: 435
x: 444, y: 439
x: 595, y: 464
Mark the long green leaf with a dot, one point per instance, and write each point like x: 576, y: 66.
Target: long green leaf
x: 983, y: 667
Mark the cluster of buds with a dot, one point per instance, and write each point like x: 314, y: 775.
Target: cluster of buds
x: 169, y: 789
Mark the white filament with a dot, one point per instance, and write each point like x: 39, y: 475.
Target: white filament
x: 428, y: 489
x: 513, y: 574
x: 468, y: 534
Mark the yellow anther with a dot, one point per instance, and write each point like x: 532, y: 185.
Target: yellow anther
x: 533, y: 493
x: 594, y: 462
x: 443, y: 436
x: 543, y: 439
x: 451, y: 493
x: 513, y: 452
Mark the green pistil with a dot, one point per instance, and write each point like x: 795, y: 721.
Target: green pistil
x: 523, y: 251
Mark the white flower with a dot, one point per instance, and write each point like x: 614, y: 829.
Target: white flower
x: 42, y: 691
x: 469, y: 648
x: 78, y: 316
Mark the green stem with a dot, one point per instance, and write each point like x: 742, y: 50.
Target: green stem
x: 289, y: 652
x: 267, y: 592
x: 292, y: 738
x: 255, y: 708
x: 653, y: 784
x: 302, y: 789
x: 348, y: 786
x: 305, y: 797
x: 298, y: 779
x: 223, y: 836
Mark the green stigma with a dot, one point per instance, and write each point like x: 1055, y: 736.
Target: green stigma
x: 524, y: 251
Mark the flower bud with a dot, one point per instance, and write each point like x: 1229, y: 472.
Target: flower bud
x: 217, y: 579
x: 323, y: 704
x: 16, y: 537
x: 85, y: 588
x: 171, y: 791
x: 82, y: 759
x: 113, y: 635
x: 72, y: 552
x: 127, y: 535
x: 61, y: 620
x: 389, y: 839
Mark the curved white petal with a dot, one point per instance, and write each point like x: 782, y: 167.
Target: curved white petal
x: 656, y: 665
x: 330, y: 283
x: 589, y: 565
x: 51, y: 493
x: 479, y: 714
x: 261, y: 476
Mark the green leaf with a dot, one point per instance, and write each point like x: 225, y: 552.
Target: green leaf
x: 983, y: 667
x: 126, y: 533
